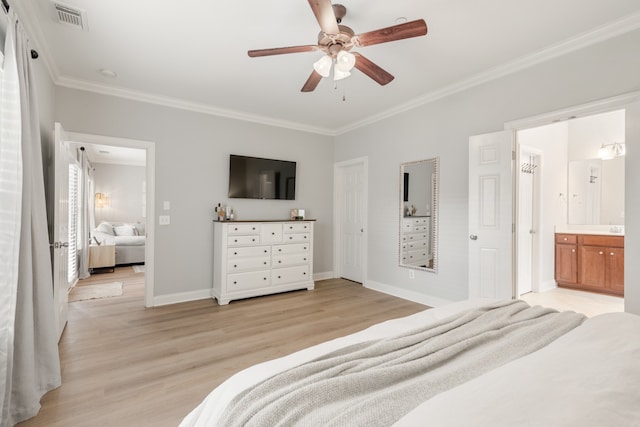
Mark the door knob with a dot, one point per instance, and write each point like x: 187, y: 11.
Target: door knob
x: 473, y: 237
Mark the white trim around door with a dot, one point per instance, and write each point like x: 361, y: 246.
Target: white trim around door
x: 150, y: 149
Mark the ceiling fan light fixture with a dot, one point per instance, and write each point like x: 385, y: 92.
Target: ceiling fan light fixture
x: 338, y: 74
x: 323, y: 66
x: 345, y: 61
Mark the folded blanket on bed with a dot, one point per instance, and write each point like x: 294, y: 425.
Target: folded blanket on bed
x: 376, y: 383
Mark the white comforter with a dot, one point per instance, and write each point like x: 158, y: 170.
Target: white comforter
x: 590, y: 376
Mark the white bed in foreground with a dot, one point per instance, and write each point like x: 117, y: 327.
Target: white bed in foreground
x: 589, y: 376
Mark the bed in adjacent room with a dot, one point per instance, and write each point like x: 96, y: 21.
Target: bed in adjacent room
x: 482, y: 363
x: 129, y: 240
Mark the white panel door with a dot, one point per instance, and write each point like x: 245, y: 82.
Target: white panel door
x: 491, y: 215
x: 351, y: 218
x: 60, y: 244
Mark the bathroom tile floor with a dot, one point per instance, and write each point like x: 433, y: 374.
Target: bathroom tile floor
x: 589, y: 303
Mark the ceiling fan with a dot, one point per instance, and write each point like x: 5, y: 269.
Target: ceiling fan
x: 336, y: 41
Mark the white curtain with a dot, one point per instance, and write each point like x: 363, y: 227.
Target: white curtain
x: 85, y: 200
x: 30, y: 361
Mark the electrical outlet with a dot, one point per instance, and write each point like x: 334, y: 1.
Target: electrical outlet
x: 164, y: 220
x: 412, y: 274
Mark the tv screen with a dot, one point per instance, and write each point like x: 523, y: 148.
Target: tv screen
x: 257, y: 178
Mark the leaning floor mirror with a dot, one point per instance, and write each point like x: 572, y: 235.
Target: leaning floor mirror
x: 419, y: 214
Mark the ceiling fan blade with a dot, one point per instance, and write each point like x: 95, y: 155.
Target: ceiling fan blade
x: 312, y: 82
x: 282, y: 50
x: 323, y: 10
x: 389, y: 34
x: 372, y: 70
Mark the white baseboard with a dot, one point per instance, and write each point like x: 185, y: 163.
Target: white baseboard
x: 323, y: 276
x: 427, y: 300
x: 181, y: 297
x: 206, y: 293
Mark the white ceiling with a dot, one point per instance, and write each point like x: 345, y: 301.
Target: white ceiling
x: 193, y: 53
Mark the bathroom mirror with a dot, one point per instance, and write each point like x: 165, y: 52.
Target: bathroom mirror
x: 419, y: 214
x: 596, y: 192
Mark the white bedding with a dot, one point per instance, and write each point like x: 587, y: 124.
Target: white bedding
x: 531, y: 390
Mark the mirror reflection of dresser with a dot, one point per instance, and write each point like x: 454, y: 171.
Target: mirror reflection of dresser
x: 418, y: 214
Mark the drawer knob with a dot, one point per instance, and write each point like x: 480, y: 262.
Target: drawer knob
x: 236, y: 228
x: 279, y: 250
x: 290, y: 228
x: 235, y: 266
x: 573, y: 250
x: 304, y: 259
x: 264, y: 278
x: 265, y: 251
x: 612, y: 254
x: 279, y: 261
x: 304, y: 273
x: 253, y: 240
x: 265, y: 263
x: 305, y: 237
x: 290, y: 238
x: 273, y: 233
x: 565, y: 239
x: 279, y: 277
x: 305, y: 248
x: 235, y: 283
x: 235, y: 253
x: 600, y: 252
x: 253, y: 228
x: 236, y: 240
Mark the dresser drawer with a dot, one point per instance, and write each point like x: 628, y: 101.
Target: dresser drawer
x: 248, y: 228
x: 291, y: 227
x: 252, y: 280
x: 271, y: 233
x: 248, y: 264
x: 289, y: 275
x: 414, y: 236
x: 417, y: 244
x: 244, y: 240
x: 289, y: 260
x: 296, y: 237
x: 290, y: 249
x: 252, y: 251
x: 412, y: 257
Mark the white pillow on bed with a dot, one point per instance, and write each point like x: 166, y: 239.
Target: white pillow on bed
x: 105, y: 228
x: 124, y: 230
x: 139, y: 229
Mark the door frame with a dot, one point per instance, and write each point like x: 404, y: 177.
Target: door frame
x: 338, y: 191
x: 149, y: 147
x: 536, y: 264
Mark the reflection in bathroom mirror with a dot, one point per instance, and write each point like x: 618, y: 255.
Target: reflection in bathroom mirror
x: 418, y: 214
x: 596, y: 192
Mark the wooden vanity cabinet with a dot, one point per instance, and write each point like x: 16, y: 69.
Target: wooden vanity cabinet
x: 566, y: 259
x: 598, y: 262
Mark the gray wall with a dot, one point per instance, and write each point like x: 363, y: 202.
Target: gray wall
x: 192, y: 161
x: 124, y: 186
x: 442, y: 128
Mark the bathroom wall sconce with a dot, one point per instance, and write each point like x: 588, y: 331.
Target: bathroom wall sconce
x: 101, y: 200
x: 609, y: 151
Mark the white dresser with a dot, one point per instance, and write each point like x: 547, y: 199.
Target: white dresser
x: 260, y: 258
x: 416, y: 241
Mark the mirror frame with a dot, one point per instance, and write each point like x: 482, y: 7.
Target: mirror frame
x: 435, y: 201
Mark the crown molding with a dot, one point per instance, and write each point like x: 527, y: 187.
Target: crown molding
x: 600, y: 34
x: 186, y: 105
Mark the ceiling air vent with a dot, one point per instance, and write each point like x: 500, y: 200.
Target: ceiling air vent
x: 70, y: 16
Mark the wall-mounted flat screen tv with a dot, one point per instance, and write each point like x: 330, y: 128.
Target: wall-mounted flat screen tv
x: 257, y: 178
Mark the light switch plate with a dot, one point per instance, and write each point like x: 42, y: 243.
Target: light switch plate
x: 166, y: 205
x: 164, y: 220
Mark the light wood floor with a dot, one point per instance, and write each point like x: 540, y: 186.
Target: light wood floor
x: 125, y: 365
